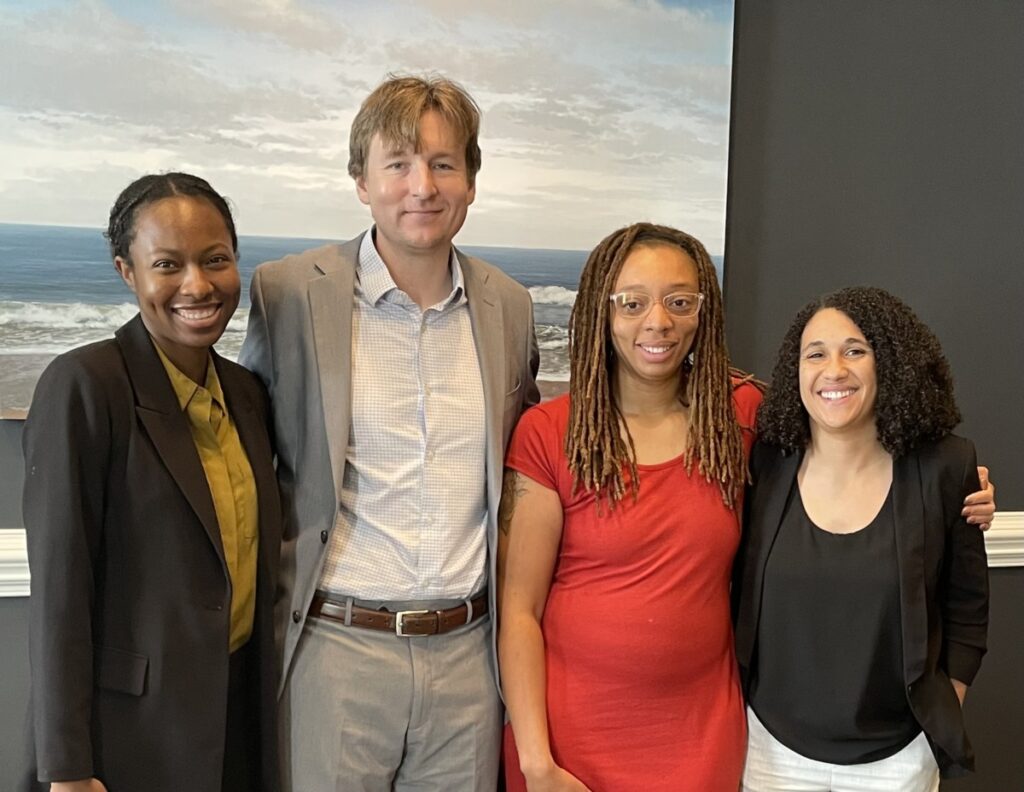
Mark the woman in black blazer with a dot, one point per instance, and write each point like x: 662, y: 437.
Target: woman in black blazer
x: 153, y: 525
x: 862, y: 592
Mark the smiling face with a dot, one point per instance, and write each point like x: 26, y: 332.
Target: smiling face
x: 651, y: 348
x: 184, y: 274
x: 418, y: 195
x: 838, y: 381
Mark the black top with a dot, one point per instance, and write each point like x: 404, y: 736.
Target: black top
x: 827, y: 678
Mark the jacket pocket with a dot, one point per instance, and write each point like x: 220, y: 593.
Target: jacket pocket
x: 120, y: 670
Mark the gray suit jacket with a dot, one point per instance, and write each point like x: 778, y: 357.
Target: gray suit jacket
x: 299, y: 342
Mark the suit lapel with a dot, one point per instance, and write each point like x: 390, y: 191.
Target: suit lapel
x: 166, y: 425
x: 487, y: 320
x: 330, y: 302
x: 908, y: 506
x: 772, y: 493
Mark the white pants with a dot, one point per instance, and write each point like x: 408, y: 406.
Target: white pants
x: 772, y: 767
x: 367, y: 711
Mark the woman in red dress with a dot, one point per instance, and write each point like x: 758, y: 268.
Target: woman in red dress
x: 620, y: 521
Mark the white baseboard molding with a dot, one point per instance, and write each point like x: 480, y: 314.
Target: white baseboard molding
x: 1004, y: 543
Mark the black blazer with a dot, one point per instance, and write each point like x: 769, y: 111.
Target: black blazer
x: 943, y: 578
x: 130, y: 603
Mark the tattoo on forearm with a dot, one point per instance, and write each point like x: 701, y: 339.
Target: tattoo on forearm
x: 511, y: 490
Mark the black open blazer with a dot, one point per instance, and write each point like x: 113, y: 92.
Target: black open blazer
x: 943, y: 578
x: 130, y: 605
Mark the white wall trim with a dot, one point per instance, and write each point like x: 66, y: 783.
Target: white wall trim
x: 1004, y: 543
x: 13, y: 563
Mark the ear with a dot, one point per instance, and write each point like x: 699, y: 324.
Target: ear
x: 124, y: 269
x: 361, y: 191
x: 471, y: 195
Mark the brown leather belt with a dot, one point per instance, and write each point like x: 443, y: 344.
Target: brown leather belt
x: 404, y: 623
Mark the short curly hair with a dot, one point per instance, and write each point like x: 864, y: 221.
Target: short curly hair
x: 915, y: 401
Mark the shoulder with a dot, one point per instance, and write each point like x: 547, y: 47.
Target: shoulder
x: 83, y: 387
x: 549, y: 419
x: 308, y: 263
x: 951, y: 458
x: 496, y: 278
x: 86, y: 367
x: 746, y: 398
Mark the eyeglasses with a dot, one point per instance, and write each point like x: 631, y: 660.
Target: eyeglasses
x: 634, y: 305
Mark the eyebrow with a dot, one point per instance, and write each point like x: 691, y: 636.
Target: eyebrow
x: 672, y: 287
x: 819, y: 343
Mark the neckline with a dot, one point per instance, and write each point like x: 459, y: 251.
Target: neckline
x: 875, y: 519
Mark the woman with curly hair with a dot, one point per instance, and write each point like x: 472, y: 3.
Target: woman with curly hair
x: 861, y: 590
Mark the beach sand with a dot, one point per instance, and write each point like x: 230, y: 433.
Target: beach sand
x: 18, y: 375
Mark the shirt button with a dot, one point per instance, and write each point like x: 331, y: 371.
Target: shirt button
x: 323, y: 537
x: 296, y: 616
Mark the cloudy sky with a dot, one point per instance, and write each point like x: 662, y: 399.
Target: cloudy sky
x: 596, y: 112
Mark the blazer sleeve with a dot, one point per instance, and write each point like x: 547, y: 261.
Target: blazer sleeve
x: 531, y: 395
x: 256, y: 354
x: 67, y: 442
x: 964, y: 589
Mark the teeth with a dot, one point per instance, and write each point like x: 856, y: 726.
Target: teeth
x: 655, y: 350
x: 832, y: 395
x: 196, y: 314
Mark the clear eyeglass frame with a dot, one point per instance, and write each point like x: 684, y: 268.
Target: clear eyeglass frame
x: 636, y: 304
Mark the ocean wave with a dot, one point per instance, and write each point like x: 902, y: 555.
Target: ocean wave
x: 553, y: 295
x: 80, y: 316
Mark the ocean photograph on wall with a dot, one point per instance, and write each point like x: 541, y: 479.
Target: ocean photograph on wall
x: 595, y: 115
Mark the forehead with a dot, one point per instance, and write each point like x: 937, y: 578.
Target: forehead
x: 431, y: 132
x: 657, y: 265
x: 178, y: 220
x: 830, y: 324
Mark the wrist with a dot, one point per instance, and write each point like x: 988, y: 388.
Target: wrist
x: 534, y: 767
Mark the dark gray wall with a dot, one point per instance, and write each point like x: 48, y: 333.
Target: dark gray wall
x: 878, y: 142
x: 882, y: 143
x: 13, y: 615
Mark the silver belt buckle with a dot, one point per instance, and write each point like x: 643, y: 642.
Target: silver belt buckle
x: 400, y: 615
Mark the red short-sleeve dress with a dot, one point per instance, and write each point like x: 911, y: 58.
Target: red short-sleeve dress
x: 643, y: 691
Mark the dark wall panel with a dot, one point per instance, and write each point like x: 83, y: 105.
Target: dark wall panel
x: 883, y: 143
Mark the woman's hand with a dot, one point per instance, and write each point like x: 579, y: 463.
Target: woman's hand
x: 960, y: 688
x: 88, y: 785
x: 980, y: 507
x: 554, y: 779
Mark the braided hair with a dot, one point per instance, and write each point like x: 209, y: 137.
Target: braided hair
x: 594, y: 445
x: 149, y: 189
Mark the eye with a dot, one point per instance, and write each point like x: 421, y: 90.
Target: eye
x: 856, y: 352
x: 633, y: 304
x: 443, y: 166
x: 680, y: 303
x: 164, y: 264
x: 219, y: 261
x: 814, y: 356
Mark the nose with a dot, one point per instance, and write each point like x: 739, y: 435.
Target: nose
x: 658, y: 317
x: 421, y: 178
x: 836, y: 368
x: 196, y: 282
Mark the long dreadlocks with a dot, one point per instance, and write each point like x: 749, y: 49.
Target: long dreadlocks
x: 594, y: 444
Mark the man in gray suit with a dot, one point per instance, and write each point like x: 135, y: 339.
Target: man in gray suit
x: 397, y: 368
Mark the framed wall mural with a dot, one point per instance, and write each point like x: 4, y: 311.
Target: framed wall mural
x: 595, y: 115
